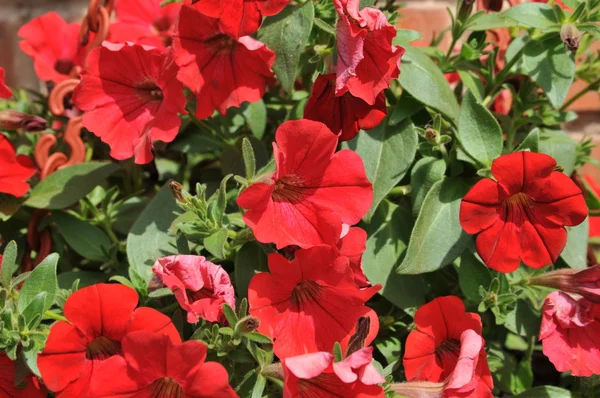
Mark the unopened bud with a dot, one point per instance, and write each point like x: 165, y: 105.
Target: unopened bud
x: 571, y: 36
x: 464, y: 9
x: 176, y: 189
x: 492, y: 5
x: 585, y: 282
x: 247, y: 324
x: 14, y: 120
x: 432, y: 136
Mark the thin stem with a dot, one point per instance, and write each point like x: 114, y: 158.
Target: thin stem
x: 501, y: 77
x: 402, y: 190
x: 52, y: 315
x: 592, y: 86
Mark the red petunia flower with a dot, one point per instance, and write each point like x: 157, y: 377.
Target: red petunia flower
x: 144, y: 22
x: 312, y: 192
x: 201, y: 287
x: 222, y: 71
x: 14, y: 170
x: 8, y: 375
x: 595, y: 220
x: 521, y: 217
x: 99, y: 317
x: 317, y: 375
x: 154, y: 366
x: 432, y: 350
x: 129, y: 108
x: 54, y: 46
x: 367, y: 60
x: 343, y: 114
x: 239, y: 18
x: 5, y: 92
x: 570, y: 332
x: 353, y: 244
x: 308, y: 304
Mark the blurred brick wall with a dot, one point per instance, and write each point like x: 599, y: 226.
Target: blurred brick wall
x: 429, y: 17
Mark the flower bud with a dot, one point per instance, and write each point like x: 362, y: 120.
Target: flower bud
x: 464, y: 9
x: 176, y: 189
x: 14, y: 120
x: 247, y: 324
x: 432, y: 136
x: 585, y: 282
x: 571, y: 36
x: 491, y: 5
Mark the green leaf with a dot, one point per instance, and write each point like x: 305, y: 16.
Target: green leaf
x: 230, y: 315
x: 258, y: 338
x: 9, y: 205
x: 531, y: 141
x: 523, y: 379
x: 215, y: 243
x: 34, y: 310
x: 404, y: 36
x: 66, y: 186
x: 87, y: 240
x: 256, y: 118
x: 85, y: 278
x: 387, y: 152
x: 195, y: 142
x: 473, y: 83
x: 218, y: 209
x: 249, y: 260
x: 324, y: 26
x: 232, y: 158
x: 551, y: 65
x: 249, y: 159
x: 437, y: 238
x: 575, y: 252
x: 42, y: 279
x: 561, y: 147
x: 523, y: 320
x: 9, y: 263
x: 148, y: 238
x: 535, y: 15
x: 546, y: 392
x: 162, y: 292
x: 259, y: 386
x: 424, y: 80
x: 406, y: 107
x: 389, y: 232
x: 426, y: 172
x: 390, y: 348
x: 494, y: 20
x: 471, y: 275
x: 479, y: 132
x: 287, y: 35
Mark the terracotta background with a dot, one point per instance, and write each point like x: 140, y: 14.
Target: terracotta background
x: 425, y: 16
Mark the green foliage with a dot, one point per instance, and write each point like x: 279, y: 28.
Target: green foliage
x: 87, y: 240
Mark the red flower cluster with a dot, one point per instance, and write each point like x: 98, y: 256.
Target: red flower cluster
x: 521, y: 216
x: 106, y: 338
x: 5, y: 92
x: 14, y: 170
x: 201, y: 287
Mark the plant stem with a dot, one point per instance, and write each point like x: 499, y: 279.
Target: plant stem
x: 501, y: 77
x: 402, y: 190
x: 592, y: 86
x: 55, y: 316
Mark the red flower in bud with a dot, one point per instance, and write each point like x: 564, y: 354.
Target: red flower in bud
x: 144, y: 22
x: 595, y: 220
x: 15, y: 120
x: 367, y: 60
x: 312, y: 192
x: 352, y: 244
x: 8, y: 374
x: 200, y: 287
x: 155, y: 366
x: 14, y: 170
x: 5, y: 92
x: 343, y: 114
x: 54, y: 46
x: 239, y: 18
x: 490, y: 5
x: 130, y: 108
x: 585, y: 282
x: 435, y: 349
x: 308, y: 304
x: 222, y: 71
x: 521, y: 216
x: 317, y: 375
x: 503, y: 102
x: 99, y: 317
x: 570, y: 332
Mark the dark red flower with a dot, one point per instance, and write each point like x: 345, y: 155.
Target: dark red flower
x: 201, y: 287
x: 521, y: 217
x: 155, y: 366
x: 490, y: 5
x: 317, y: 375
x: 367, y: 60
x: 144, y: 22
x: 14, y: 170
x: 239, y: 18
x: 130, y: 108
x: 99, y: 317
x: 312, y: 192
x: 54, y: 46
x: 595, y: 220
x: 222, y: 71
x: 345, y: 115
x: 570, y: 332
x: 8, y: 375
x: 352, y: 245
x: 308, y: 304
x: 432, y: 350
x: 5, y: 92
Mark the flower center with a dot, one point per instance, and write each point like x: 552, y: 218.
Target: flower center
x: 199, y: 294
x: 518, y: 205
x: 102, y: 348
x: 220, y: 44
x: 166, y: 388
x: 447, y: 355
x: 303, y: 292
x: 161, y: 24
x: 288, y: 189
x: 149, y: 91
x: 63, y: 66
